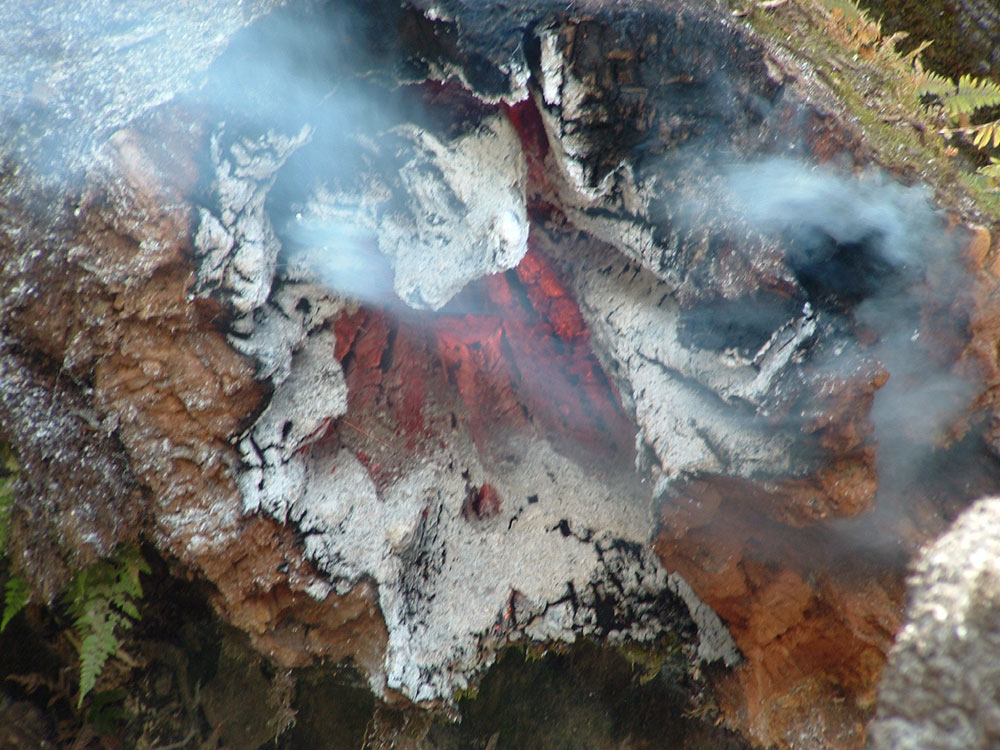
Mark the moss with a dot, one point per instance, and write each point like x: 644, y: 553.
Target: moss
x: 651, y: 661
x: 878, y: 88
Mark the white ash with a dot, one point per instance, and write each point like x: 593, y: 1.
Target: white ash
x: 453, y: 213
x: 273, y: 332
x: 698, y: 411
x: 618, y: 207
x: 566, y: 554
x: 715, y: 643
x: 541, y: 568
x: 302, y: 406
x: 237, y: 247
x: 563, y: 102
x: 471, y: 220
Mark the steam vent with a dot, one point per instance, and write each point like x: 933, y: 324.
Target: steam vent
x: 524, y: 375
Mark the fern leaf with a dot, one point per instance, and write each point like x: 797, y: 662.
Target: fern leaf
x: 982, y: 137
x: 130, y: 564
x: 991, y: 170
x: 102, y: 601
x: 972, y: 94
x: 931, y: 84
x: 130, y: 610
x: 913, y: 56
x: 99, y: 642
x: 16, y: 596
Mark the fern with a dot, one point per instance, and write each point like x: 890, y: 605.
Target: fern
x: 8, y: 472
x: 991, y: 170
x: 930, y: 83
x: 102, y: 602
x: 16, y: 591
x: 986, y: 134
x: 16, y: 596
x: 972, y: 94
x: 961, y: 99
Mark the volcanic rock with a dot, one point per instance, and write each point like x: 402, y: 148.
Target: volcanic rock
x: 420, y: 330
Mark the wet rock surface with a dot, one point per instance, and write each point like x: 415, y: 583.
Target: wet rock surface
x: 420, y: 331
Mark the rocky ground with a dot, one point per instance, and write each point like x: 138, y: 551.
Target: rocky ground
x: 423, y: 339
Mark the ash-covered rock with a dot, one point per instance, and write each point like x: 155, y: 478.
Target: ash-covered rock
x: 238, y: 248
x: 939, y: 690
x: 72, y: 74
x: 728, y: 339
x: 444, y: 210
x: 699, y: 410
x: 431, y: 200
x: 550, y: 565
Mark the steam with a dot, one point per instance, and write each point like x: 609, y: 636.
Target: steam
x: 871, y: 255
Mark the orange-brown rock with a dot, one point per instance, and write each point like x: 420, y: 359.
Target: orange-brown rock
x: 813, y: 617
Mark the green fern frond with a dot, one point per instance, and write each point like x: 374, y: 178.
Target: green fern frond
x: 991, y: 170
x: 964, y: 98
x: 102, y: 602
x: 930, y: 83
x: 16, y: 596
x: 972, y: 94
x: 100, y: 642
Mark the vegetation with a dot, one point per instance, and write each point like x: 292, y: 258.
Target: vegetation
x: 16, y: 590
x: 960, y: 102
x: 883, y: 89
x: 102, y: 602
x: 17, y: 593
x: 101, y: 599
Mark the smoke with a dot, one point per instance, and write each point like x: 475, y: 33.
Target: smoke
x: 343, y: 254
x: 396, y: 197
x: 873, y: 257
x: 846, y: 240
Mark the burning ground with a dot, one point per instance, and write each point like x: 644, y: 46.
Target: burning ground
x: 422, y: 331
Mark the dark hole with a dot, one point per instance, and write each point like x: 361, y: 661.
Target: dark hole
x: 836, y: 274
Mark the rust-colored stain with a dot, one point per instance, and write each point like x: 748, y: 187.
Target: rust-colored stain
x: 512, y: 347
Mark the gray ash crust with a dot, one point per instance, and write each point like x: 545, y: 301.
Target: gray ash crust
x: 452, y: 589
x: 939, y: 689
